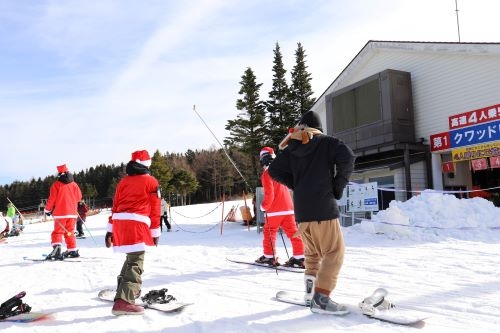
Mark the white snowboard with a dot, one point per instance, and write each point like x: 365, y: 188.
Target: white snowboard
x: 172, y: 306
x: 396, y: 315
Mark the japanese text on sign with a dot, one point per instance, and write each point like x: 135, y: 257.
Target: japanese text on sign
x: 475, y: 134
x: 362, y: 197
x: 475, y: 117
x: 479, y: 151
x: 440, y: 141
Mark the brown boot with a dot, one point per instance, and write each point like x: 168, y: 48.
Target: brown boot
x: 122, y: 307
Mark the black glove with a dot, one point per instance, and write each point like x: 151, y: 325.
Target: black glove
x: 339, y: 183
x: 156, y: 240
x: 48, y: 213
x: 108, y: 239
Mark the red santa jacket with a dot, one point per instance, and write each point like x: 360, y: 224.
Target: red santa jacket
x: 135, y: 216
x: 277, y: 200
x: 63, y: 198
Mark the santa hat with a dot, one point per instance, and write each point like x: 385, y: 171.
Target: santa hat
x: 142, y: 157
x: 267, y: 150
x: 62, y: 168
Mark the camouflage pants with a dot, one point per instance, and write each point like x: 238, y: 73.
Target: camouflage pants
x: 129, y: 280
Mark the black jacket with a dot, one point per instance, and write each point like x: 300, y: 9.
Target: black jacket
x: 317, y: 172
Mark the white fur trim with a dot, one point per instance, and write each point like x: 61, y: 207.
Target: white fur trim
x: 133, y: 217
x: 281, y: 213
x: 130, y: 248
x: 145, y: 163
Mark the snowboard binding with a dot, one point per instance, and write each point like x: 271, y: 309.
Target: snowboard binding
x: 14, y: 306
x: 157, y: 296
x: 376, y: 302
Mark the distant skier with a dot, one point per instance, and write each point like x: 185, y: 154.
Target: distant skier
x: 62, y: 205
x: 82, y: 217
x: 11, y: 211
x: 133, y: 225
x: 164, y: 215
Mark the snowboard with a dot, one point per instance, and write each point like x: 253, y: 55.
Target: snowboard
x: 395, y: 315
x: 279, y: 268
x: 170, y: 307
x: 28, y: 317
x: 14, y: 310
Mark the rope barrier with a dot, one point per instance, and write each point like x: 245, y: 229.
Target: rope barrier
x: 436, y: 191
x: 417, y: 226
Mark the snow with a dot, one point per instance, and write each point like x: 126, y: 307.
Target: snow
x: 434, y: 253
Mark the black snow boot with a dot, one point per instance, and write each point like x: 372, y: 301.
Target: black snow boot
x: 55, y: 254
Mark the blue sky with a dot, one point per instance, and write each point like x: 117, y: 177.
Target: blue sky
x: 88, y: 82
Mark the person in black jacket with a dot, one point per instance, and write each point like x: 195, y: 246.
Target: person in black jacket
x: 317, y: 168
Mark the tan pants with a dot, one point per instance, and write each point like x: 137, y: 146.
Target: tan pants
x: 129, y: 280
x: 324, y: 252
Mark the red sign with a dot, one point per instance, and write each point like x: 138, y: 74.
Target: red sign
x: 495, y: 162
x: 448, y: 167
x: 479, y: 164
x: 440, y: 141
x: 475, y: 117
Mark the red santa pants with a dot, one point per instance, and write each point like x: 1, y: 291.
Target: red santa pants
x: 287, y: 223
x: 64, y: 228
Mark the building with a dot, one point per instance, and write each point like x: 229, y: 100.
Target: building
x: 419, y: 115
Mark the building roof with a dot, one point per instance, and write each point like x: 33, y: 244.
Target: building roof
x: 374, y: 46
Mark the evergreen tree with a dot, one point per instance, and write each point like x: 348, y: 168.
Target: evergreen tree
x: 161, y: 170
x: 184, y: 182
x: 247, y: 130
x: 280, y: 115
x: 301, y: 89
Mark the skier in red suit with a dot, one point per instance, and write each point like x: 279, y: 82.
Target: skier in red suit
x: 62, y: 204
x: 278, y: 207
x: 133, y: 225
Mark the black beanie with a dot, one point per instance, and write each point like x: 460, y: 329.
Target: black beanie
x: 311, y: 119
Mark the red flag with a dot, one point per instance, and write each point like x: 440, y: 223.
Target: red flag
x: 495, y: 162
x: 479, y: 164
x: 448, y: 167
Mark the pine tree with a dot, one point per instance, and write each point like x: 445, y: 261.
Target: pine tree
x: 301, y: 89
x: 280, y: 115
x: 161, y: 170
x: 247, y: 130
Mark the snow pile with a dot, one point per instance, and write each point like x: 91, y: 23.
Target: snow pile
x: 432, y: 214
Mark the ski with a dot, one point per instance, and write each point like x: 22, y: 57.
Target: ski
x: 44, y: 260
x: 167, y: 304
x: 394, y: 315
x: 279, y: 268
x: 69, y: 259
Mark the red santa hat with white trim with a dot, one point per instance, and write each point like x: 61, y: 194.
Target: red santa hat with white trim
x: 142, y: 157
x: 267, y: 150
x: 62, y: 168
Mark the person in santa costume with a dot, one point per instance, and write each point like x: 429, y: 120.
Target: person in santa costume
x: 134, y: 224
x: 278, y: 207
x: 63, y: 198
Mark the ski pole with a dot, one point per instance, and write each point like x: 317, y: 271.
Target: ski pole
x: 271, y: 241
x: 83, y: 222
x: 284, y: 244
